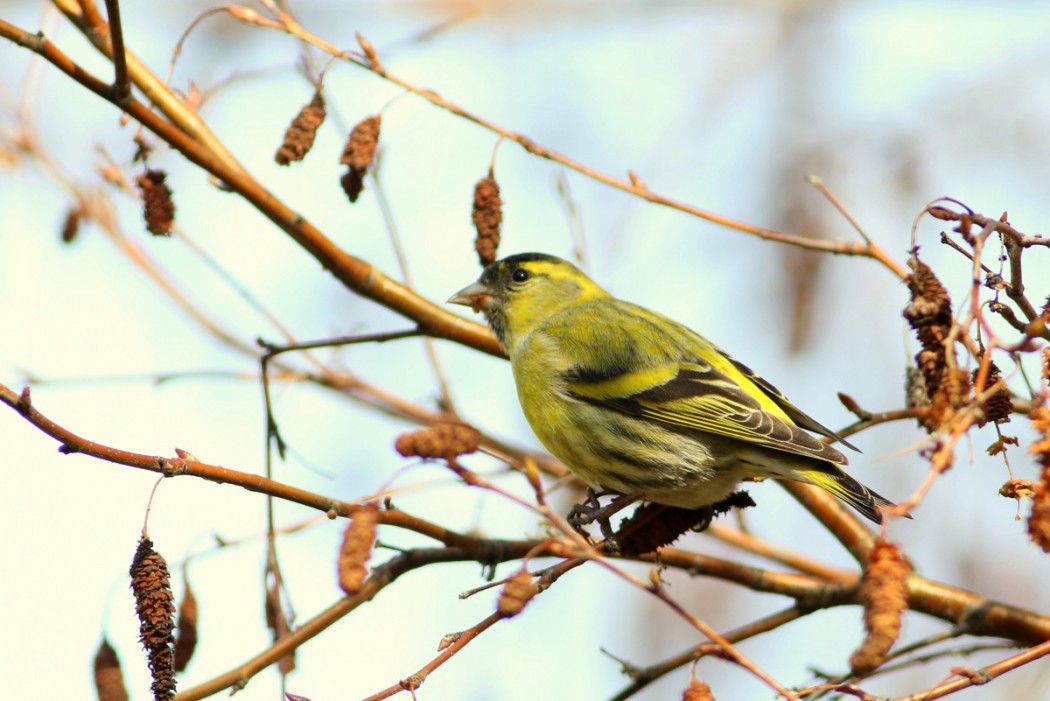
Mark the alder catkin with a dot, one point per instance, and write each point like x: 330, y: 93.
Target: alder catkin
x: 109, y: 680
x: 300, y: 135
x: 155, y: 607
x: 487, y: 215
x: 157, y: 205
x: 356, y: 549
x: 186, y: 636
x: 697, y: 691
x: 516, y: 594
x: 1039, y: 519
x: 71, y: 224
x: 884, y: 593
x: 359, y: 154
x: 441, y: 441
x: 930, y: 314
x: 997, y: 408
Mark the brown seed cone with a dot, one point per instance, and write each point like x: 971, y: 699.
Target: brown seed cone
x: 71, y: 224
x: 516, y: 594
x: 356, y: 549
x: 930, y: 313
x: 884, y: 592
x: 109, y: 681
x: 186, y: 638
x: 997, y: 408
x: 353, y: 184
x: 487, y: 216
x: 277, y: 622
x: 360, y: 150
x: 158, y: 207
x: 1039, y: 520
x: 155, y: 607
x: 359, y: 155
x: 653, y: 526
x: 1017, y: 489
x: 441, y: 441
x: 697, y: 691
x: 300, y: 135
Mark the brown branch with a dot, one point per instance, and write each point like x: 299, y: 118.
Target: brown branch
x: 632, y: 186
x: 970, y: 677
x: 642, y: 677
x: 381, y: 577
x: 790, y: 558
x: 854, y: 535
x: 121, y: 83
x: 976, y: 614
x: 414, y: 681
x: 1014, y: 242
x: 483, y: 549
x: 358, y: 275
x: 85, y: 16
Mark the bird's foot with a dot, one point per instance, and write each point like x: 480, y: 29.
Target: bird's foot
x: 591, y: 511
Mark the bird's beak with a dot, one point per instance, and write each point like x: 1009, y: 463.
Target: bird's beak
x: 476, y: 295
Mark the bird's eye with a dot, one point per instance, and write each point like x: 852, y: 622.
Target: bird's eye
x: 520, y: 275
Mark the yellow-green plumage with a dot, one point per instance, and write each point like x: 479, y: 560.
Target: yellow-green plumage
x: 636, y: 403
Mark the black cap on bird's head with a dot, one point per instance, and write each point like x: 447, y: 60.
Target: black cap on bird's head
x: 547, y: 282
x: 489, y: 291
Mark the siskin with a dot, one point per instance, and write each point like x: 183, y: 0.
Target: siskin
x: 633, y: 402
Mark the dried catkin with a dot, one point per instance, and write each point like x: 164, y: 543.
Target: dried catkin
x: 359, y: 154
x: 109, y: 680
x: 1039, y: 520
x: 157, y: 205
x: 441, y: 441
x: 884, y: 593
x: 516, y: 594
x: 930, y: 313
x: 71, y: 224
x: 356, y: 549
x: 487, y: 216
x: 186, y: 637
x: 997, y: 407
x: 653, y: 526
x: 697, y: 691
x: 155, y: 607
x: 300, y: 135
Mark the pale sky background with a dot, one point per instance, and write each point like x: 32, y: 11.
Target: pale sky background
x: 725, y: 105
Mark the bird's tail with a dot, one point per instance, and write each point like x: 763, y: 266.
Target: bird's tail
x: 829, y: 477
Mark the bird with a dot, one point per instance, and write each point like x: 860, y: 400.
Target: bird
x: 638, y: 404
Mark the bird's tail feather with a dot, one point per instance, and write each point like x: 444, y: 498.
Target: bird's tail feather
x: 849, y: 490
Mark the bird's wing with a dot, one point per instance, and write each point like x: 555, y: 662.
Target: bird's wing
x: 656, y: 372
x: 697, y: 397
x: 798, y: 416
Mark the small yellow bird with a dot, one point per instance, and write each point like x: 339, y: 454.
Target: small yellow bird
x: 636, y: 403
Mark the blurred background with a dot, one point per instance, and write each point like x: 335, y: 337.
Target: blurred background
x: 727, y: 106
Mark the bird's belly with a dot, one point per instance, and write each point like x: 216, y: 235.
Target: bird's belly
x: 614, y: 451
